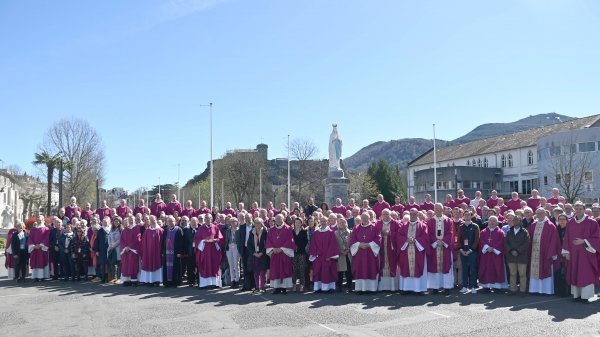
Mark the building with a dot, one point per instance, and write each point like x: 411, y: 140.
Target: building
x: 505, y: 163
x: 569, y: 160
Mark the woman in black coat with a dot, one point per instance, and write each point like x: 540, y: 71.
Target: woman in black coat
x: 20, y: 252
x: 258, y: 260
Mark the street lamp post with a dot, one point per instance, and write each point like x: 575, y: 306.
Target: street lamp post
x: 289, y: 196
x: 455, y: 181
x: 211, y: 154
x: 260, y: 187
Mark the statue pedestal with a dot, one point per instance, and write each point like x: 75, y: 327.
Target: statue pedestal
x: 336, y: 186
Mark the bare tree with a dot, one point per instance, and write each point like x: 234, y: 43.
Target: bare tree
x: 302, y: 149
x: 570, y: 169
x: 78, y: 143
x: 240, y: 172
x: 308, y: 174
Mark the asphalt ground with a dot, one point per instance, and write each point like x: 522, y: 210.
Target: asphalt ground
x: 58, y: 308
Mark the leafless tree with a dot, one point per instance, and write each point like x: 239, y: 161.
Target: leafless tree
x: 240, y: 172
x: 570, y: 169
x: 78, y: 143
x: 308, y: 173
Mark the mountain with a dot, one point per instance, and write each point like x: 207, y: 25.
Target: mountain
x: 402, y: 151
x: 395, y: 152
x: 496, y: 129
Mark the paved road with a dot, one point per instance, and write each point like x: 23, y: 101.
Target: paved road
x: 57, y: 308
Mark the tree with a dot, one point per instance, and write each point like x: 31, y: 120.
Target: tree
x: 79, y: 144
x: 571, y: 172
x: 240, y: 172
x: 362, y: 186
x: 62, y: 165
x: 307, y: 173
x: 387, y: 180
x: 50, y: 162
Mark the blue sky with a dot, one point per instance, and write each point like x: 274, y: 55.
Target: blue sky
x: 139, y: 70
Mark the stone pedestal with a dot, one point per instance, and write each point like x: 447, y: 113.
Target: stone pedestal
x: 336, y: 186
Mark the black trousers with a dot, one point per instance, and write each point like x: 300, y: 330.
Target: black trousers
x: 189, y: 265
x: 66, y: 262
x: 347, y: 273
x: 20, y: 266
x: 56, y: 267
x: 248, y: 283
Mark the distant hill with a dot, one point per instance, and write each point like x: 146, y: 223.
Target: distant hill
x: 496, y: 129
x: 402, y: 151
x: 395, y: 152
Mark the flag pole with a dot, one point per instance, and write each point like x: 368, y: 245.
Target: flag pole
x: 434, y: 168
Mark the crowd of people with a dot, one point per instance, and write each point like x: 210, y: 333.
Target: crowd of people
x: 542, y: 246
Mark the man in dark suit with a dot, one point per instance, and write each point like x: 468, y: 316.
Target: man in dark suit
x: 189, y: 262
x: 242, y: 242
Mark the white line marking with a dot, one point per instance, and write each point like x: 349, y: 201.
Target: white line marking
x: 540, y: 302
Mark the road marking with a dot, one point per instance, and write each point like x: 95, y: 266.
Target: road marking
x: 305, y: 318
x: 432, y: 312
x: 540, y: 302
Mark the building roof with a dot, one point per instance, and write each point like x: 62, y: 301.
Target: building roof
x: 503, y: 143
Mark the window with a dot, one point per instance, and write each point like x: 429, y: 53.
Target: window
x: 530, y: 158
x: 512, y: 186
x: 558, y: 179
x: 468, y: 163
x: 587, y: 147
x: 503, y: 161
x: 474, y: 163
x: 510, y: 160
x: 588, y: 176
x: 527, y: 186
x: 479, y: 162
x: 555, y: 151
x: 485, y: 162
x: 546, y: 180
x: 567, y: 177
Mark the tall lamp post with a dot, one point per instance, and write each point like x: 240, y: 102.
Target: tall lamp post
x: 212, y: 200
x: 289, y: 196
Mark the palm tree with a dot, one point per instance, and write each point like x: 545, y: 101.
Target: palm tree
x: 63, y: 165
x: 51, y: 162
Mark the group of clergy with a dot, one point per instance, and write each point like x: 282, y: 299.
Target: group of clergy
x: 410, y: 247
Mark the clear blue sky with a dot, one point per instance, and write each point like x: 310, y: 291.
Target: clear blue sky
x: 139, y: 70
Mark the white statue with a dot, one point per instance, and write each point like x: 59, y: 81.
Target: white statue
x: 7, y: 217
x: 335, y: 150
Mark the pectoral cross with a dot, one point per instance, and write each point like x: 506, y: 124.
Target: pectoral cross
x: 364, y: 236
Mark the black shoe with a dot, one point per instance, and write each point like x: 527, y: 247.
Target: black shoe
x: 318, y: 291
x: 446, y: 292
x: 277, y: 291
x: 284, y: 291
x: 434, y: 291
x: 127, y: 284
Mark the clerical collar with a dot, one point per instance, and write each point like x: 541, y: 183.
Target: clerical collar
x: 413, y: 222
x: 326, y: 229
x: 439, y: 218
x: 543, y: 220
x: 153, y: 228
x: 367, y: 225
x: 580, y: 220
x: 279, y: 227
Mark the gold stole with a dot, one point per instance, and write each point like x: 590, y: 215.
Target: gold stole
x: 412, y: 233
x: 535, y: 250
x: 439, y: 227
x: 385, y: 235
